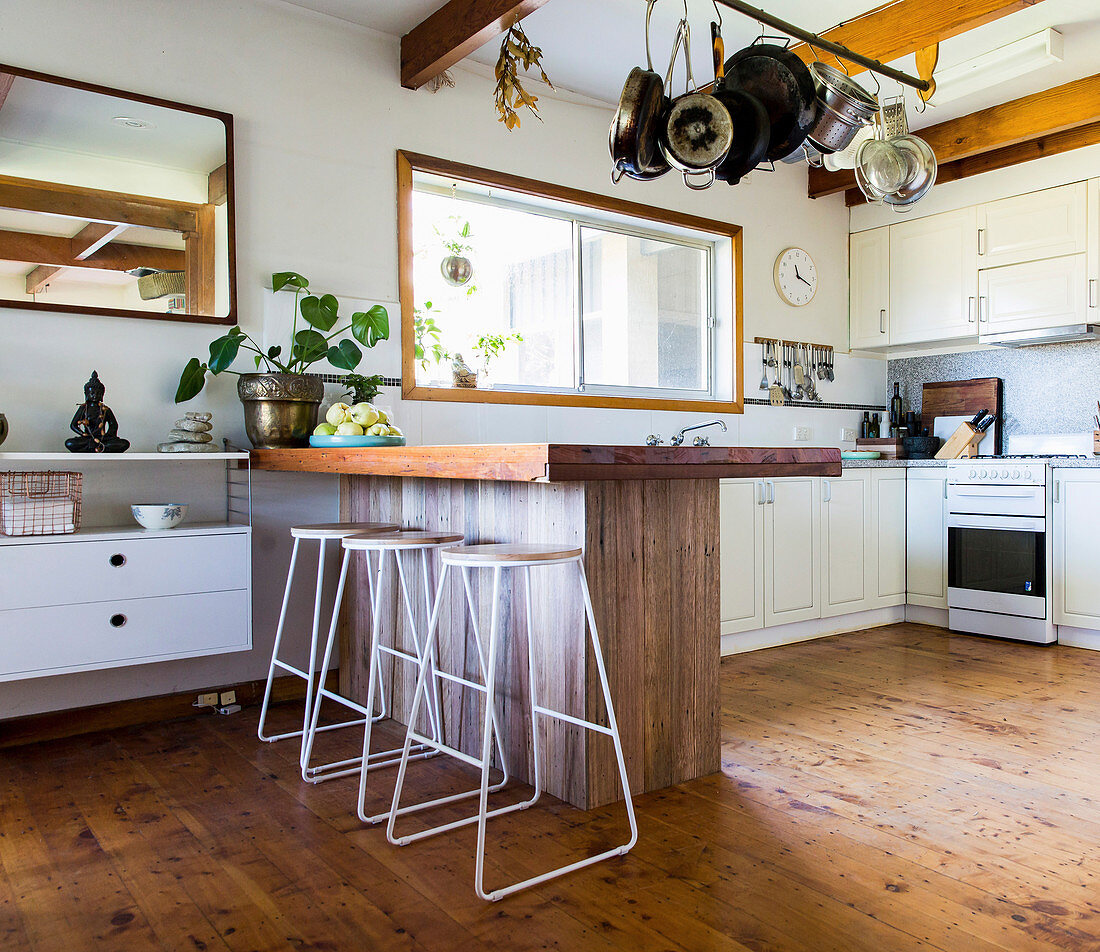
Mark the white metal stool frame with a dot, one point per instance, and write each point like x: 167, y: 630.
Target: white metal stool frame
x: 395, y: 542
x: 322, y: 535
x: 490, y: 726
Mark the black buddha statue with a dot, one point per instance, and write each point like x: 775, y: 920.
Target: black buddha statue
x: 94, y: 424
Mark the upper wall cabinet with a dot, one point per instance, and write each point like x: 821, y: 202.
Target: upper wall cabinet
x: 933, y: 281
x: 1031, y: 227
x: 113, y: 202
x: 869, y: 288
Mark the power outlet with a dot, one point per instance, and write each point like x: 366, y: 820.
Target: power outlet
x: 207, y: 700
x: 229, y: 697
x: 802, y: 434
x: 847, y: 434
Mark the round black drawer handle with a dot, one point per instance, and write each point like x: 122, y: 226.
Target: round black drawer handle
x: 117, y: 560
x: 118, y: 620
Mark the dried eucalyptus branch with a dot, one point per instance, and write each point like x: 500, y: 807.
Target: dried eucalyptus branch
x: 510, y: 94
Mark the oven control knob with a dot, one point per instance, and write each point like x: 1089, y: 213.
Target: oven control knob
x: 1004, y: 474
x: 973, y: 473
x: 1015, y: 474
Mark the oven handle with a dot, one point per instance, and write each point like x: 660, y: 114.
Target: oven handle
x: 1007, y: 492
x: 960, y: 520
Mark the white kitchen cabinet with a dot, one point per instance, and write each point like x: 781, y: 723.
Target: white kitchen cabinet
x: 869, y: 288
x: 862, y: 541
x: 1045, y: 224
x: 791, y: 551
x: 926, y: 537
x: 1093, y: 252
x: 934, y: 278
x: 1076, y: 548
x: 741, y: 560
x: 1032, y: 296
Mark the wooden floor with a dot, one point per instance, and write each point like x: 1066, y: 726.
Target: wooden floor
x: 888, y: 790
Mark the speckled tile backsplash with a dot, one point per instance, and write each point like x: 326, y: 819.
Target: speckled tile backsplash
x: 1048, y: 389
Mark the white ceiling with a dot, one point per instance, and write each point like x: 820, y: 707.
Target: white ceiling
x: 590, y: 45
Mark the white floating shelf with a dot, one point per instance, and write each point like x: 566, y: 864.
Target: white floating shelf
x: 116, y: 533
x: 121, y: 457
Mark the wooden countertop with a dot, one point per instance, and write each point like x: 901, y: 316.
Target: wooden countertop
x: 557, y: 462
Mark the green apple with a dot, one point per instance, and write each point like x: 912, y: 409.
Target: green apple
x: 324, y: 429
x: 394, y: 431
x: 337, y: 413
x: 379, y: 429
x: 383, y: 417
x: 364, y: 414
x: 349, y: 429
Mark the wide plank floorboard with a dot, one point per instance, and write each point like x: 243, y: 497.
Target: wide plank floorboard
x: 882, y: 791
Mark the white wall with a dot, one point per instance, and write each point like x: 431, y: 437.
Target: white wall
x: 318, y: 115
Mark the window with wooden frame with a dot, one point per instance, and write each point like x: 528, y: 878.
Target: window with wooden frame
x: 517, y: 291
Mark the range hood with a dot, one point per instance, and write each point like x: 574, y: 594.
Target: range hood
x: 1063, y: 334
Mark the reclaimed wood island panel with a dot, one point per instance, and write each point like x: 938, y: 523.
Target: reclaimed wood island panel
x: 647, y: 518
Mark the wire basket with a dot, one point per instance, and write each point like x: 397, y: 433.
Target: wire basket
x: 42, y: 503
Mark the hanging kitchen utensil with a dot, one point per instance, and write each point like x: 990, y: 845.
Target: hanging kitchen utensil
x: 927, y: 58
x: 843, y: 108
x: 783, y: 84
x: 776, y: 396
x: 751, y: 128
x: 697, y: 133
x: 633, y: 138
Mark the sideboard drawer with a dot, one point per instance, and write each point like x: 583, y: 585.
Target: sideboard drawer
x: 62, y: 573
x: 61, y: 639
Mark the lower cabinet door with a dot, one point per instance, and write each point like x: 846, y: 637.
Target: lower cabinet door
x: 791, y: 550
x: 741, y: 513
x: 846, y: 557
x: 926, y: 537
x: 886, y: 585
x: 65, y: 638
x: 1076, y: 548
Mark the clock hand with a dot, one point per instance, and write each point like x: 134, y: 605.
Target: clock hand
x: 802, y: 279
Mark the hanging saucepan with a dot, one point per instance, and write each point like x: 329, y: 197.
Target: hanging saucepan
x: 697, y: 134
x: 843, y: 108
x: 751, y: 129
x: 783, y: 84
x: 633, y: 138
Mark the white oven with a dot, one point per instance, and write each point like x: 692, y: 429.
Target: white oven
x: 998, y: 549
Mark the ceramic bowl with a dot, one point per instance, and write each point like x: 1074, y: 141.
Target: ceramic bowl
x: 159, y: 515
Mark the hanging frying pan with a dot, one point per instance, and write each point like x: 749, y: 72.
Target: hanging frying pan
x: 633, y: 138
x: 751, y: 128
x: 783, y: 84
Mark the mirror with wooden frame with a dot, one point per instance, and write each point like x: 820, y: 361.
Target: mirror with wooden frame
x: 113, y: 202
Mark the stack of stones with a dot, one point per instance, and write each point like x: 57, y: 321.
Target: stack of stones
x: 191, y: 435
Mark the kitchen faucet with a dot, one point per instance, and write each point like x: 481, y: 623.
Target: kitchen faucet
x: 678, y: 439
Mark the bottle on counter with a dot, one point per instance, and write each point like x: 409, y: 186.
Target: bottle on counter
x: 897, y: 414
x: 874, y: 429
x: 865, y: 426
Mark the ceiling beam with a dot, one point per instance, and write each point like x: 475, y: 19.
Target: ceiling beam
x: 84, y: 244
x: 453, y: 32
x: 217, y: 186
x: 92, y: 204
x: 904, y: 26
x: 6, y: 79
x: 1061, y: 109
x: 57, y: 251
x: 40, y: 277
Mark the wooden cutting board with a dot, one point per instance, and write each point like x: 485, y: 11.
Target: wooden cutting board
x: 950, y: 398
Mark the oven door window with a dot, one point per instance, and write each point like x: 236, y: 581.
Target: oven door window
x: 997, y: 560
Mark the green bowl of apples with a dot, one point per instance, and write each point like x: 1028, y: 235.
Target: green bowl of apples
x: 360, y: 425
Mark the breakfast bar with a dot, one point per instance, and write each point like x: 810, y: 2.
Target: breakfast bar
x: 647, y: 519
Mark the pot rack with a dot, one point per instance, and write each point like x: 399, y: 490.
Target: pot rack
x: 819, y: 42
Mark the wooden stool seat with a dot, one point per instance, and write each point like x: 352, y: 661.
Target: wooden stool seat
x: 515, y: 552
x: 415, y: 539
x: 340, y: 530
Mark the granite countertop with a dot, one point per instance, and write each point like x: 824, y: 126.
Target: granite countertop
x: 1059, y: 462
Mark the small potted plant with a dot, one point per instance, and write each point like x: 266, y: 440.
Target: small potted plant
x: 281, y: 400
x: 362, y: 389
x: 490, y: 346
x: 428, y: 341
x: 456, y: 267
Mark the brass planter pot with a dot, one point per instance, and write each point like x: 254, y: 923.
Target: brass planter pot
x: 280, y: 410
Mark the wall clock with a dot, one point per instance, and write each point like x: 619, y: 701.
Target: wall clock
x: 795, y: 277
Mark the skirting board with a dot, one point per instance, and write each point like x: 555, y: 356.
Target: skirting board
x: 922, y: 615
x: 809, y: 630
x: 1079, y: 637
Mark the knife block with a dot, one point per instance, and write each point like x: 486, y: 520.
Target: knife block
x: 962, y: 443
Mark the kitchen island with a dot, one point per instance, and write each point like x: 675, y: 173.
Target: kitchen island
x: 647, y: 518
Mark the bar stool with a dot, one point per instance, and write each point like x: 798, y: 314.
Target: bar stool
x: 323, y: 533
x: 499, y: 558
x: 395, y: 542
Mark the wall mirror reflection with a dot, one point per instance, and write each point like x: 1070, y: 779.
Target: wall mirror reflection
x: 113, y: 203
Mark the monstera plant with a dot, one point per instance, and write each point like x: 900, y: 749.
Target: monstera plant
x: 280, y: 398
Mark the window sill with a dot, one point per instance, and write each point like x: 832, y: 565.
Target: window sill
x: 549, y: 399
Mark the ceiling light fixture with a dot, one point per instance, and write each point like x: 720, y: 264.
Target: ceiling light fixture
x: 131, y: 123
x: 979, y: 73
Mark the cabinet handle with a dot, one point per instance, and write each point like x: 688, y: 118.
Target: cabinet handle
x: 827, y: 491
x: 981, y: 241
x: 117, y: 560
x: 760, y: 496
x: 1092, y: 292
x: 970, y: 310
x: 983, y: 309
x: 118, y: 620
x: 771, y: 492
x: 882, y: 321
x: 945, y: 487
x: 1057, y: 490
